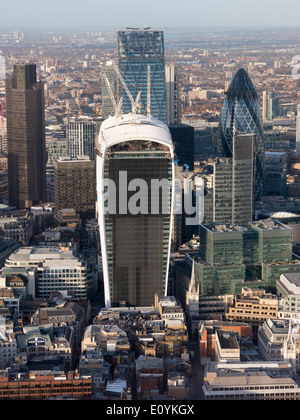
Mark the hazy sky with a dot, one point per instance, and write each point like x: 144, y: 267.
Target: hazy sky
x: 159, y: 14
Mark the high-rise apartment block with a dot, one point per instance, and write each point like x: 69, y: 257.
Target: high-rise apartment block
x: 25, y: 137
x: 75, y: 185
x: 140, y: 60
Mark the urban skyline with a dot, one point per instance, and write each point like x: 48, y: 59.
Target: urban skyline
x: 111, y: 291
x: 221, y: 14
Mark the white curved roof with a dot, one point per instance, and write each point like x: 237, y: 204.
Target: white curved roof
x: 127, y: 127
x: 283, y: 215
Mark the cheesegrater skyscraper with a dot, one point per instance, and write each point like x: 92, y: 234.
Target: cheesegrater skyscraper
x: 140, y: 57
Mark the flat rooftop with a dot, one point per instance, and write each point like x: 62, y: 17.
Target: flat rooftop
x: 269, y: 224
x: 227, y: 339
x: 278, y: 326
x: 39, y: 254
x: 221, y: 227
x: 253, y: 374
x: 291, y: 283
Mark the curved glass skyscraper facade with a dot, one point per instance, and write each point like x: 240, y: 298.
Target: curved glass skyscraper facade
x: 241, y: 112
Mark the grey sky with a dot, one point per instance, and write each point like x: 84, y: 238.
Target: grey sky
x: 162, y: 14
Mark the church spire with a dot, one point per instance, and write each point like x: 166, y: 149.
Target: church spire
x: 193, y: 286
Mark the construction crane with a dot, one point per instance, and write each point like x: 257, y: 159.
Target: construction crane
x: 117, y: 107
x: 148, y: 91
x: 135, y: 104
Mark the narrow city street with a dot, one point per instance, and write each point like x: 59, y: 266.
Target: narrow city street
x: 196, y: 392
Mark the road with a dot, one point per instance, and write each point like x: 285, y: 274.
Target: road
x: 196, y: 392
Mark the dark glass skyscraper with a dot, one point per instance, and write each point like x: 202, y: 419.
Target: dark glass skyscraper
x: 25, y: 137
x: 241, y: 112
x: 183, y: 141
x: 136, y: 50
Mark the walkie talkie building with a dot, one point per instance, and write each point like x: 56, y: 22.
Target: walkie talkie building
x: 241, y: 112
x: 134, y: 156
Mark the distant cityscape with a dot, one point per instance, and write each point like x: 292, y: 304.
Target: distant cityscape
x: 150, y: 215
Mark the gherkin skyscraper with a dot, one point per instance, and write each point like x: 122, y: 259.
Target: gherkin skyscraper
x: 241, y: 112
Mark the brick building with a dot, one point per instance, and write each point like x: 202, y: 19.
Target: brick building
x: 41, y: 387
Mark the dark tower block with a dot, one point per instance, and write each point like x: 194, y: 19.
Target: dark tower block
x: 25, y: 137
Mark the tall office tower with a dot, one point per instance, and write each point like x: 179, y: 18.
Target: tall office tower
x: 221, y: 191
x: 134, y: 154
x: 298, y: 131
x: 183, y: 141
x: 138, y: 51
x: 204, y: 146
x: 270, y: 106
x: 241, y: 112
x: 81, y: 137
x: 273, y: 109
x: 275, y: 179
x: 232, y: 183
x: 75, y: 185
x: 25, y: 137
x: 173, y: 99
x: 264, y: 105
x: 242, y: 178
x: 108, y: 72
